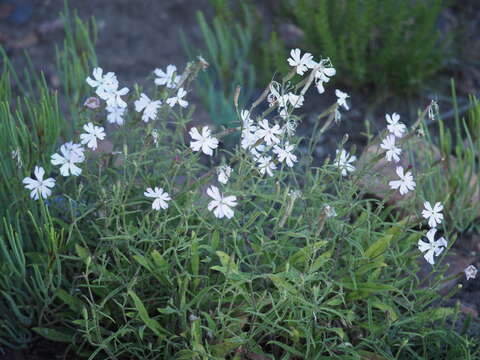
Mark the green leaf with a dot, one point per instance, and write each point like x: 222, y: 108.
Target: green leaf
x: 378, y: 247
x: 54, y: 335
x: 142, y: 311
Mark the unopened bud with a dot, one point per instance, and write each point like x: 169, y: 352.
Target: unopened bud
x: 92, y: 103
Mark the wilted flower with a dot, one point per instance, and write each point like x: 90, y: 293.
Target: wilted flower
x: 405, y: 183
x: 394, y: 126
x: 16, y: 155
x: 169, y: 78
x: 93, y: 133
x: 434, y: 214
x: 161, y: 197
x: 432, y: 248
x: 220, y: 205
x: 223, y: 173
x: 343, y: 162
x: 433, y: 110
x: 203, y: 141
x: 470, y: 272
x: 393, y: 152
x: 39, y: 186
x: 329, y: 211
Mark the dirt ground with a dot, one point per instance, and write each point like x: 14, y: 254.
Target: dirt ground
x: 136, y: 36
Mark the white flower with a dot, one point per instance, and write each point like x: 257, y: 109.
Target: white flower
x: 343, y: 162
x: 169, y: 78
x: 268, y: 133
x: 220, y: 205
x: 323, y: 73
x: 342, y: 98
x: 329, y: 211
x: 432, y: 248
x: 71, y: 154
x: 266, y: 165
x: 115, y: 114
x: 470, y: 272
x: 105, y: 84
x: 393, y: 152
x: 300, y: 63
x: 223, y: 173
x: 203, y: 141
x: 93, y: 133
x: 434, y: 214
x: 405, y: 183
x: 113, y: 98
x: 178, y: 99
x: 295, y: 100
x: 285, y: 154
x: 149, y: 107
x: 161, y: 197
x: 39, y: 187
x: 394, y: 126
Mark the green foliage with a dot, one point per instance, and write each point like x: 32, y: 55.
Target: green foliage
x: 31, y: 243
x: 227, y: 49
x: 454, y: 164
x: 392, y: 45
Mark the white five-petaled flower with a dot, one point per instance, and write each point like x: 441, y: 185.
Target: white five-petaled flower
x: 178, y: 99
x: 115, y: 114
x: 204, y: 141
x: 343, y: 162
x: 432, y: 247
x: 301, y: 63
x: 149, y: 107
x: 323, y: 73
x: 285, y: 153
x: 393, y: 152
x: 405, y: 183
x: 434, y: 214
x: 266, y: 165
x: 223, y: 173
x: 268, y: 133
x: 105, y: 84
x: 39, y: 186
x: 113, y: 98
x: 169, y: 78
x: 71, y: 154
x: 221, y: 205
x: 161, y: 197
x: 394, y: 126
x: 471, y: 272
x: 342, y: 98
x: 93, y: 133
